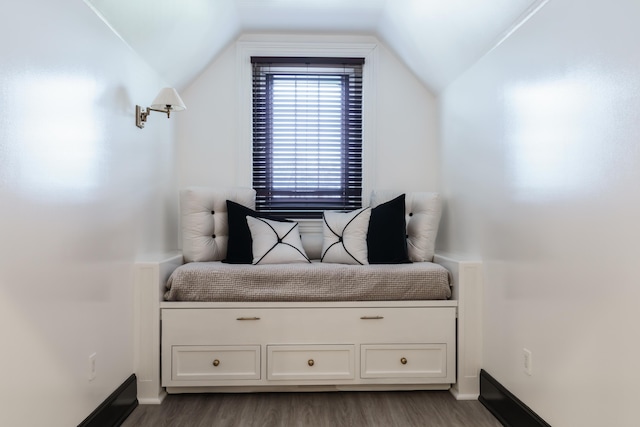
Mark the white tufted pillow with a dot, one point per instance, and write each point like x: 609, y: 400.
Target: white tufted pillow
x: 275, y: 242
x: 423, y: 211
x: 203, y: 214
x: 345, y: 236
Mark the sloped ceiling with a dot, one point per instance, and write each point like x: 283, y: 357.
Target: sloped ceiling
x: 436, y: 39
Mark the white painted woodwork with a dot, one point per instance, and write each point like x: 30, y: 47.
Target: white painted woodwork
x: 424, y: 332
x: 310, y: 362
x: 469, y: 326
x: 295, y: 386
x: 316, y: 322
x: 226, y: 362
x: 264, y: 45
x: 284, y: 327
x: 150, y: 276
x: 403, y: 360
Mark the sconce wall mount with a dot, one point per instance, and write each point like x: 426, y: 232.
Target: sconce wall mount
x: 167, y: 101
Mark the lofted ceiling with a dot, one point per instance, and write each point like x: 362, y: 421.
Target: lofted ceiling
x: 436, y: 39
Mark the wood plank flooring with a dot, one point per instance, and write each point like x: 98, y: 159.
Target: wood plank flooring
x: 352, y: 409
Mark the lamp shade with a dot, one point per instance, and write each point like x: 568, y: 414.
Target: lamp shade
x: 168, y: 100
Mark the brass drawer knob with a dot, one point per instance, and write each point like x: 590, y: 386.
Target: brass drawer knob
x: 403, y: 360
x: 311, y: 362
x: 216, y: 362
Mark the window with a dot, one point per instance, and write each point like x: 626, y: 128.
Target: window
x: 307, y: 135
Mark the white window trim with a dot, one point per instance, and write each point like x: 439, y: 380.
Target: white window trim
x: 247, y: 49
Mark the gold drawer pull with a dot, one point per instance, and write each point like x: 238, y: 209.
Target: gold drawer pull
x: 403, y: 360
x: 216, y: 362
x: 372, y: 317
x: 311, y: 362
x: 248, y: 318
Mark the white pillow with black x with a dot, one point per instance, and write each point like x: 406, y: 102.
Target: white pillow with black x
x: 345, y: 236
x: 275, y: 242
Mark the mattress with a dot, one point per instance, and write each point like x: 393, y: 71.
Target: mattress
x: 221, y: 282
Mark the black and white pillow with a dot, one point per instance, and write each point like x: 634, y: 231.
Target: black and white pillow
x: 387, y: 236
x: 239, y: 246
x: 275, y: 242
x: 345, y: 236
x: 423, y: 211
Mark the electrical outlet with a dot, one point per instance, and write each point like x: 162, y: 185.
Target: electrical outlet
x: 92, y: 366
x: 528, y: 361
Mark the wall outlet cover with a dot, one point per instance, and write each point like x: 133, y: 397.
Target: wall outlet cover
x: 92, y: 366
x: 528, y: 361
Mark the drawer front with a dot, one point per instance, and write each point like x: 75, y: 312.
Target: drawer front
x: 196, y: 363
x: 310, y: 362
x: 308, y: 326
x: 403, y: 361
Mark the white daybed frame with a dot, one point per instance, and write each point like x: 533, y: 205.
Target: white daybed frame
x: 151, y: 275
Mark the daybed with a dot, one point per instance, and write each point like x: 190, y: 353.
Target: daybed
x: 304, y: 326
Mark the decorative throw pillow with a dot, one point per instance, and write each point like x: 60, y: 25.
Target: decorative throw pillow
x: 203, y: 220
x: 387, y: 236
x: 276, y: 242
x: 423, y: 211
x: 345, y: 236
x: 239, y: 246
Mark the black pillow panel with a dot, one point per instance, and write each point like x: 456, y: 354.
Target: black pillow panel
x: 239, y: 246
x: 387, y: 234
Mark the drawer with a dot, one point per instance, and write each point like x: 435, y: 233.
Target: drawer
x: 403, y: 360
x: 310, y: 362
x: 308, y: 326
x: 215, y: 363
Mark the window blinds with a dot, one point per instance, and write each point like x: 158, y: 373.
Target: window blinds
x: 307, y: 135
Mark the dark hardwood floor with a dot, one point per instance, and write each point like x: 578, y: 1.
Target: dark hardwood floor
x: 353, y: 409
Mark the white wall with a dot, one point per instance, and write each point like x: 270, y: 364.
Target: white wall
x: 83, y: 191
x: 404, y: 153
x: 541, y: 165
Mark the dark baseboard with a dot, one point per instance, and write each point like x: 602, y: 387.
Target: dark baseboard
x: 116, y: 408
x: 507, y: 408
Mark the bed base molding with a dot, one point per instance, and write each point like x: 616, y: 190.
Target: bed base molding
x: 467, y: 290
x: 307, y: 388
x: 152, y: 272
x: 150, y: 275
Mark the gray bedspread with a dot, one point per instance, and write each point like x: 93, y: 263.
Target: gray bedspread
x: 220, y: 282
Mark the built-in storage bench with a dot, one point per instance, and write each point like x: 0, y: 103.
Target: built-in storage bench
x: 309, y: 344
x: 363, y: 341
x: 306, y: 346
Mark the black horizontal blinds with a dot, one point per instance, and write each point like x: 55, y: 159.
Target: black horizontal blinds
x: 307, y: 135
